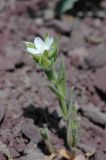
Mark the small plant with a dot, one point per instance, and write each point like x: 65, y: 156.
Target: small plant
x: 45, y: 52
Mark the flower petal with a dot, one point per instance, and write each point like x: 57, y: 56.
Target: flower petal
x: 39, y: 44
x: 33, y: 51
x: 48, y: 42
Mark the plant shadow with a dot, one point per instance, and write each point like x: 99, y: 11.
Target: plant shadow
x: 42, y: 116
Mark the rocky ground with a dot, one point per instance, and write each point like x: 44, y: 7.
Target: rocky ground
x: 23, y: 103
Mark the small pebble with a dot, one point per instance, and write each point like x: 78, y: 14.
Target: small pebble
x: 101, y: 14
x: 49, y: 14
x: 39, y: 21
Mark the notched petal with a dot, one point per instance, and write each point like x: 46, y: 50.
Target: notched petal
x: 33, y: 51
x: 39, y: 44
x: 48, y: 42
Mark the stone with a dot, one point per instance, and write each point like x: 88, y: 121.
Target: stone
x: 80, y: 157
x: 6, y: 64
x: 2, y: 157
x: 103, y: 4
x: 80, y: 14
x: 4, y: 93
x: 19, y: 144
x: 97, y: 23
x: 78, y: 56
x: 79, y: 31
x: 4, y: 151
x: 32, y: 152
x: 31, y: 132
x: 94, y: 39
x: 99, y: 155
x: 99, y: 80
x: 11, y: 59
x: 103, y: 142
x: 64, y: 44
x: 89, y: 14
x: 2, y: 113
x: 86, y: 148
x: 49, y: 14
x: 60, y: 26
x: 39, y: 21
x: 14, y: 153
x: 15, y: 55
x: 101, y: 14
x: 97, y: 57
x: 94, y: 114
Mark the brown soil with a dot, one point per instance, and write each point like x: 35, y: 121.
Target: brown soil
x: 25, y: 103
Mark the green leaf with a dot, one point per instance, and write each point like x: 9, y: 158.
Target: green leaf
x: 63, y: 107
x: 44, y: 68
x: 44, y: 62
x: 61, y: 81
x: 44, y: 132
x: 65, y: 5
x: 72, y: 132
x: 30, y: 45
x: 46, y: 35
x: 75, y: 137
x: 54, y: 50
x: 74, y: 124
x: 52, y: 53
x: 47, y: 138
x: 55, y: 43
x: 51, y: 74
x: 71, y: 102
x: 36, y: 58
x: 55, y: 91
x: 46, y: 53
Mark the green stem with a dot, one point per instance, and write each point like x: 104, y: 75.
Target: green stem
x: 49, y: 145
x: 52, y: 76
x: 68, y: 138
x: 46, y: 137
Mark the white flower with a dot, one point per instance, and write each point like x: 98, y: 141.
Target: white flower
x: 40, y: 45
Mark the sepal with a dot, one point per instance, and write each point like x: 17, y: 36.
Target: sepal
x: 29, y: 45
